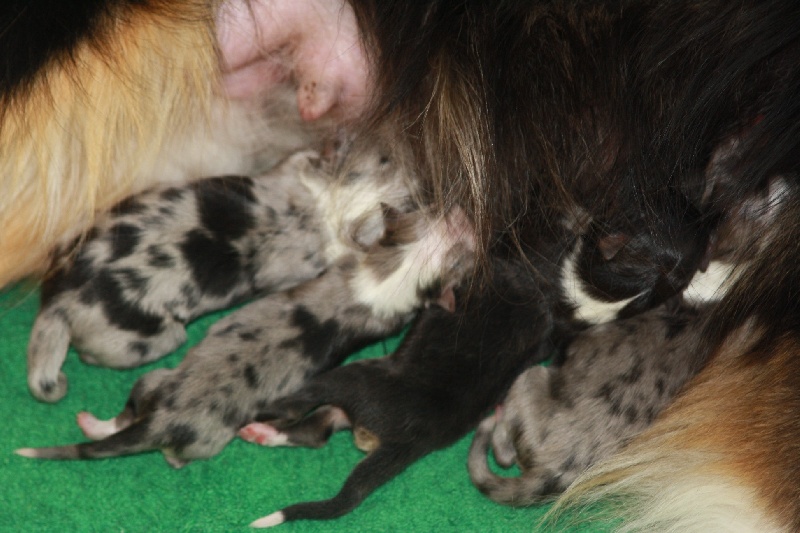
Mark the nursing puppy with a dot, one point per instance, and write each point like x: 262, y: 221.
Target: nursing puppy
x: 426, y: 395
x: 165, y: 257
x: 612, y: 380
x: 268, y: 348
x: 610, y: 383
x: 421, y: 398
x: 611, y: 103
x: 621, y: 268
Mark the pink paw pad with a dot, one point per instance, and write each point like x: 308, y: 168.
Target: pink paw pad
x: 262, y: 434
x: 93, y: 428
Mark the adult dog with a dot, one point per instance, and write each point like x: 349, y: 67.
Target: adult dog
x: 516, y: 110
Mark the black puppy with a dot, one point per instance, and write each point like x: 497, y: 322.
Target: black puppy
x: 426, y: 395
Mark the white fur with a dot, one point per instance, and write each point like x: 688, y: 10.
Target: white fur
x: 342, y: 204
x: 275, y: 519
x: 27, y: 452
x: 423, y: 263
x: 662, y: 490
x: 711, y: 285
x: 587, y: 308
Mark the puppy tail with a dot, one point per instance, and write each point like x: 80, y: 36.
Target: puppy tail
x: 373, y: 471
x: 519, y: 491
x: 132, y: 439
x: 47, y: 349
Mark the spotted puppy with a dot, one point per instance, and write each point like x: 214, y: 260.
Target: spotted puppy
x: 612, y: 382
x: 270, y: 347
x: 163, y: 258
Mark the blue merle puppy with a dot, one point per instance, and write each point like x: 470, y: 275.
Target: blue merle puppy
x: 271, y: 346
x: 607, y: 386
x: 124, y: 295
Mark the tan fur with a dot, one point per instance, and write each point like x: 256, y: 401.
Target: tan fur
x: 89, y: 129
x: 722, y: 456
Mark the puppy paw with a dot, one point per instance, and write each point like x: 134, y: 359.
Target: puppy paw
x: 94, y: 428
x: 47, y: 390
x: 263, y: 435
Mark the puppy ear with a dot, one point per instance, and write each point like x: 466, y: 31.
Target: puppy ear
x: 610, y: 245
x: 447, y: 300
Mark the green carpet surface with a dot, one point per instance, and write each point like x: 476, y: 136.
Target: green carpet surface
x: 143, y: 494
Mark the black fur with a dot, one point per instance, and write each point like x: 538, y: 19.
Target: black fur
x: 431, y: 391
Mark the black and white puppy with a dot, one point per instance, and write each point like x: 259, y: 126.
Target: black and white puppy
x: 268, y: 348
x: 423, y: 397
x: 161, y: 259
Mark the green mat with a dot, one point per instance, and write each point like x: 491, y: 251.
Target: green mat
x: 143, y: 494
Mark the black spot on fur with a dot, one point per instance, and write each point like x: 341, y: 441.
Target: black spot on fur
x: 142, y: 349
x: 158, y: 258
x: 251, y: 335
x: 123, y: 238
x: 179, y: 436
x: 131, y: 279
x: 119, y: 311
x: 315, y: 337
x: 634, y: 373
x: 222, y: 204
x: 232, y: 418
x: 233, y: 358
x: 660, y: 386
x: 76, y: 276
x: 606, y: 392
x: 251, y: 376
x: 190, y: 293
x: 675, y: 325
x: 129, y: 206
x: 230, y: 328
x: 169, y: 403
x: 552, y: 485
x: 173, y: 194
x: 215, y: 264
x: 631, y: 415
x: 47, y: 386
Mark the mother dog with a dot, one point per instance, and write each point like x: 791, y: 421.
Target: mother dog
x: 516, y: 110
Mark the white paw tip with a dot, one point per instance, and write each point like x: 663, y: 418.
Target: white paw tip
x: 272, y: 520
x: 26, y: 452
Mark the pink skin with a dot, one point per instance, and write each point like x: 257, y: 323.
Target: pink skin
x: 94, y: 428
x: 259, y: 433
x: 312, y: 43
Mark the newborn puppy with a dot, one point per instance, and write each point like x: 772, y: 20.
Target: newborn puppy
x: 424, y: 397
x: 427, y: 395
x: 163, y: 258
x: 270, y: 347
x: 620, y: 268
x: 611, y: 383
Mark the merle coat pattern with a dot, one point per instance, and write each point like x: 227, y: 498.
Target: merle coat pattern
x: 610, y: 383
x: 271, y: 346
x: 165, y: 257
